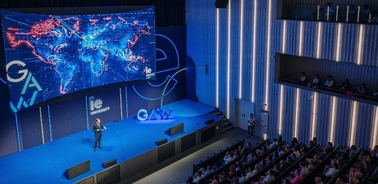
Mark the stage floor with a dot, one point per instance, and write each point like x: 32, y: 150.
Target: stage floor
x: 123, y: 140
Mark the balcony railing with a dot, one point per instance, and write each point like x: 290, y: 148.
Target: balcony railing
x: 333, y: 13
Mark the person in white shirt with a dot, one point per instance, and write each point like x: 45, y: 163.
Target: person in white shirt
x: 303, y: 77
x: 329, y: 82
x: 251, y: 125
x: 315, y: 81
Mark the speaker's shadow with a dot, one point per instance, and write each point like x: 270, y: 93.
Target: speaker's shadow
x: 87, y: 141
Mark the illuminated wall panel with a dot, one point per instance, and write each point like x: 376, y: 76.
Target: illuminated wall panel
x: 263, y: 36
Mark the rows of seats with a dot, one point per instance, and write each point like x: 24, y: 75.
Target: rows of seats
x: 234, y: 164
x: 344, y: 164
x: 358, y: 169
x: 288, y: 166
x: 312, y: 174
x: 264, y: 172
x: 331, y: 165
x: 265, y: 161
x: 213, y: 160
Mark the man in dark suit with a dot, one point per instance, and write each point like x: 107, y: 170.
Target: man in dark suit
x: 97, y: 128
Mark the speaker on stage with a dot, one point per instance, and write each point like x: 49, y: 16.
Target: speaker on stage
x: 221, y: 3
x: 160, y: 142
x: 109, y: 163
x: 77, y: 170
x: 208, y: 122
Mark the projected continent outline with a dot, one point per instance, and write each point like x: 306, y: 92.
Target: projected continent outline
x: 79, y: 52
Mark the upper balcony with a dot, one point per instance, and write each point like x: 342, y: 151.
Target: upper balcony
x: 359, y: 12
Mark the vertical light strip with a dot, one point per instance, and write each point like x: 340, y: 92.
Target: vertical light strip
x: 127, y: 103
x: 217, y: 60
x: 374, y: 134
x: 353, y: 122
x: 337, y: 13
x: 284, y: 27
x: 347, y: 14
x: 228, y: 59
x: 296, y: 120
x: 49, y: 119
x: 300, y: 44
x: 280, y: 110
x: 314, y: 114
x: 319, y: 41
x: 360, y: 44
x: 87, y: 112
x: 17, y: 132
x: 241, y: 33
x: 120, y: 102
x: 333, y: 120
x: 253, y: 89
x: 267, y: 85
x: 338, y: 43
x: 41, y: 124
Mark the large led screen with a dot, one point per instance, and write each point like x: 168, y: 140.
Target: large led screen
x: 49, y: 55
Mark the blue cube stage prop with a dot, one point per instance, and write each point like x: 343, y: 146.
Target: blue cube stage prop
x: 129, y: 141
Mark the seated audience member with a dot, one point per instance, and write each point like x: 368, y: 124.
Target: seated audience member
x: 297, y: 177
x: 215, y: 179
x: 292, y: 143
x: 250, y: 157
x: 310, y: 145
x: 316, y: 159
x: 231, y: 169
x: 366, y: 12
x: 315, y: 140
x: 248, y: 146
x: 241, y: 179
x: 296, y: 152
x: 248, y: 172
x: 195, y: 179
x: 310, y: 164
x: 326, y: 150
x: 375, y: 93
x: 302, y: 78
x: 329, y: 82
x: 362, y: 89
x: 374, y: 175
x: 228, y: 157
x: 330, y: 170
x: 353, y: 150
x: 257, y: 169
x: 345, y: 155
x: 352, y: 179
x: 241, y: 149
x: 283, y: 165
x: 276, y: 170
x: 315, y: 81
x: 351, y: 12
x: 346, y: 85
x: 328, y: 11
x: 303, y: 168
x: 279, y: 138
x: 268, y: 178
x: 318, y: 180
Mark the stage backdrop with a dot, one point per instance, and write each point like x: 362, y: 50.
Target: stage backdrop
x: 76, y: 112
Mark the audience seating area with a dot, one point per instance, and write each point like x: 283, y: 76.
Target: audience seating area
x: 295, y: 162
x: 370, y: 95
x: 213, y: 160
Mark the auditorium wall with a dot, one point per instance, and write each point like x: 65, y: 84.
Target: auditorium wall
x: 239, y: 43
